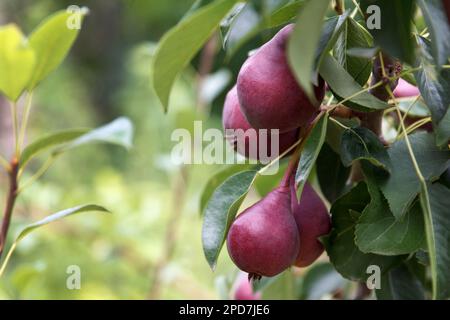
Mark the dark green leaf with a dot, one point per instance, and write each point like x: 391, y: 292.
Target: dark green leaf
x: 400, y: 284
x: 310, y: 153
x: 331, y: 173
x: 343, y: 85
x: 304, y: 42
x: 354, y: 36
x: 221, y: 211
x: 217, y: 180
x: 178, y: 46
x: 361, y: 143
x: 433, y: 85
x: 394, y: 35
x: 439, y: 28
x: 348, y: 260
x: 402, y: 186
x: 379, y: 232
x: 440, y: 204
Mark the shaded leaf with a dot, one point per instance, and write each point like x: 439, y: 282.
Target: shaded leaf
x: 310, y: 153
x: 400, y: 284
x: 320, y: 280
x: 361, y: 143
x: 345, y: 256
x: 221, y: 211
x: 343, y: 85
x: 332, y: 175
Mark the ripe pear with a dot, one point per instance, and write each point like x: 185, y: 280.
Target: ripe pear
x: 313, y: 221
x: 264, y: 239
x: 269, y: 94
x: 232, y: 118
x: 405, y: 90
x: 243, y: 289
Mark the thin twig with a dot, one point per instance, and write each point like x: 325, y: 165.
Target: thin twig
x: 10, y: 201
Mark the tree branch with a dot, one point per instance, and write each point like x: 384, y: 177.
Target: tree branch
x: 10, y: 201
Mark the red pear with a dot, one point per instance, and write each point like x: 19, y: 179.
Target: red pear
x: 406, y: 90
x: 233, y: 118
x: 269, y: 94
x: 264, y: 240
x: 243, y: 289
x: 313, y: 221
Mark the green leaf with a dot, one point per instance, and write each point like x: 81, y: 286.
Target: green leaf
x: 221, y: 211
x: 51, y: 41
x: 310, y: 153
x: 395, y: 33
x: 443, y: 130
x: 281, y: 288
x: 433, y: 85
x: 348, y: 260
x: 178, y: 46
x: 438, y: 27
x: 304, y: 42
x: 52, y: 218
x: 440, y: 204
x: 49, y: 141
x: 400, y: 284
x: 402, y: 186
x: 17, y: 61
x: 361, y: 143
x: 332, y: 175
x: 379, y: 232
x: 217, y: 179
x: 354, y: 36
x: 119, y: 132
x: 320, y: 280
x: 331, y: 31
x: 343, y: 85
x: 282, y: 15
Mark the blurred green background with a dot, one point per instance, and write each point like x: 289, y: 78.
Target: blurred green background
x: 150, y: 247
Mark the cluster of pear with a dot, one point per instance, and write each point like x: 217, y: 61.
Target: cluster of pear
x: 279, y: 231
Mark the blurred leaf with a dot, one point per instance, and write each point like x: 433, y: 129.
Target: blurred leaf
x: 400, y: 284
x: 51, y: 41
x: 281, y: 288
x: 443, y: 129
x: 440, y: 204
x: 379, y: 232
x: 345, y: 256
x: 49, y: 141
x: 354, y: 36
x: 310, y: 153
x: 283, y: 15
x: 217, y: 179
x: 439, y: 28
x: 402, y: 186
x: 221, y: 211
x: 395, y: 33
x: 119, y: 132
x: 343, y: 85
x: 433, y: 85
x: 178, y: 46
x: 17, y: 60
x: 320, y: 280
x: 304, y: 41
x: 52, y: 218
x: 332, y: 175
x: 361, y: 143
x: 266, y: 183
